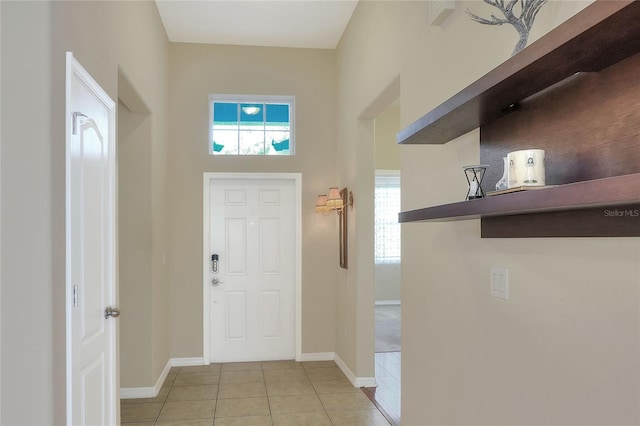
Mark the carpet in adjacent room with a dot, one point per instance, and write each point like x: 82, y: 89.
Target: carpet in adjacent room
x: 387, y: 324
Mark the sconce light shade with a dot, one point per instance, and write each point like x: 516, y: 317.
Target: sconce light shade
x: 321, y: 205
x: 335, y: 199
x: 321, y: 201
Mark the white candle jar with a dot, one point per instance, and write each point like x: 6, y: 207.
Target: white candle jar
x: 526, y: 168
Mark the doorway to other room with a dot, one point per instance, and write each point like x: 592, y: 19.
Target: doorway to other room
x: 387, y: 262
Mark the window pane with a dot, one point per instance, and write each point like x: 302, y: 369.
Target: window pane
x: 278, y: 142
x: 225, y: 113
x: 251, y: 115
x: 225, y: 142
x: 252, y: 142
x: 278, y: 115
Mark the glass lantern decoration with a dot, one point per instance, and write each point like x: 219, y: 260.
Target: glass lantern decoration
x: 474, y: 175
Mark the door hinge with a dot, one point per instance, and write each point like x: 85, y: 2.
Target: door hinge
x: 75, y: 296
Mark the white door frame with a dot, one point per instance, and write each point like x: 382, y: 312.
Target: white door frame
x: 209, y: 177
x: 100, y: 94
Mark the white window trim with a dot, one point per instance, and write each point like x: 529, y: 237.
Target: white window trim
x: 387, y: 173
x: 291, y: 100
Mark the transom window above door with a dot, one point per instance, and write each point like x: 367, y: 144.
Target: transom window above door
x: 251, y: 125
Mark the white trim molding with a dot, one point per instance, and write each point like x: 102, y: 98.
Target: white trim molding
x: 332, y: 356
x: 318, y: 356
x: 187, y: 362
x: 147, y: 392
x: 387, y: 302
x: 152, y: 391
x: 356, y: 381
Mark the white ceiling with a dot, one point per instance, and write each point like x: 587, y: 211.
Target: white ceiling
x: 278, y: 23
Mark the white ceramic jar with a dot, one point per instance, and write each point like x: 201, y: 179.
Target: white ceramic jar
x: 526, y: 168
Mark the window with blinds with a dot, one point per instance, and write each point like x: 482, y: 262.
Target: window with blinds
x: 387, y: 207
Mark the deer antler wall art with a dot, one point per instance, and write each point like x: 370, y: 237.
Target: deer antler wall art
x: 528, y: 10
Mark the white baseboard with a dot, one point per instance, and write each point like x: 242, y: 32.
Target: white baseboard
x: 134, y: 393
x: 332, y: 356
x: 148, y: 392
x: 318, y: 356
x: 152, y: 391
x: 186, y: 362
x: 387, y: 302
x: 357, y: 382
x: 367, y: 382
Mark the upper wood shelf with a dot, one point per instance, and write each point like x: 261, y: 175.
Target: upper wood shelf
x: 613, y: 191
x: 601, y: 35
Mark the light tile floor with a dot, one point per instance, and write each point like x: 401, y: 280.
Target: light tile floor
x: 387, y: 394
x: 255, y: 393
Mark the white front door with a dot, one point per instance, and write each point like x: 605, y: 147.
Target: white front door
x: 252, y: 231
x: 92, y: 397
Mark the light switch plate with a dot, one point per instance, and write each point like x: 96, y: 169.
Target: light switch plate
x: 500, y: 283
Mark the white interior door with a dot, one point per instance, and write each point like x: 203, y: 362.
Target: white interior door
x: 92, y: 397
x: 252, y: 305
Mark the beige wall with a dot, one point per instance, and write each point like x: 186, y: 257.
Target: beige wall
x: 565, y: 348
x: 0, y: 219
x: 104, y: 36
x: 387, y: 151
x: 387, y: 282
x: 134, y: 246
x: 387, y: 157
x: 367, y: 85
x: 199, y: 70
x: 26, y: 231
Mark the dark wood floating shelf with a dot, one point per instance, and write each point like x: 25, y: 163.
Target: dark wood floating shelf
x: 613, y: 191
x: 601, y: 35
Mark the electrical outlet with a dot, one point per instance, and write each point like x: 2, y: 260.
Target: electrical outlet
x: 500, y: 283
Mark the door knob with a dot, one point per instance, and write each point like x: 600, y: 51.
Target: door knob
x: 215, y: 282
x: 111, y: 312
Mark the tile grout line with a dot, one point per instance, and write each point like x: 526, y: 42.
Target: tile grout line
x: 166, y: 397
x: 215, y: 407
x: 266, y: 391
x: 318, y: 395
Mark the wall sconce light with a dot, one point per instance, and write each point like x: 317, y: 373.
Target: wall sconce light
x: 334, y: 202
x: 337, y: 201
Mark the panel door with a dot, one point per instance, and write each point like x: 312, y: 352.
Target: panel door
x: 252, y: 303
x: 91, y: 347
